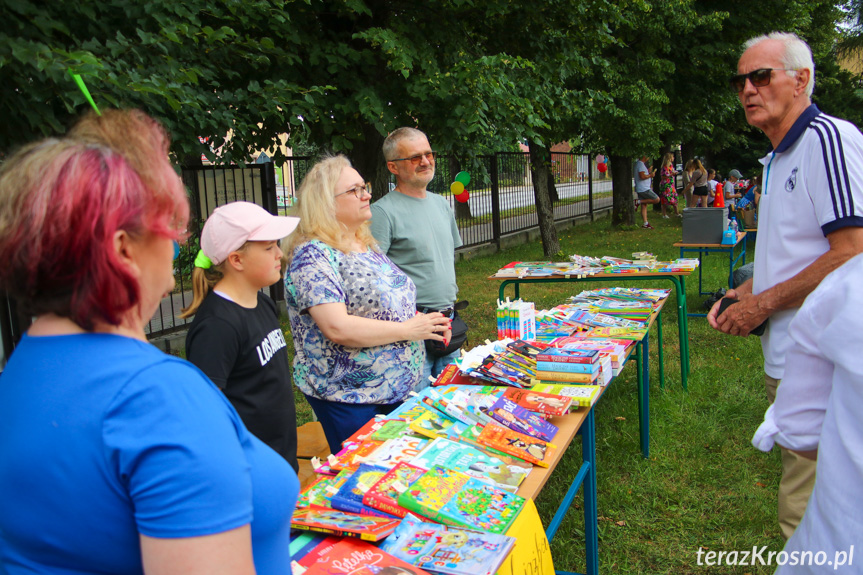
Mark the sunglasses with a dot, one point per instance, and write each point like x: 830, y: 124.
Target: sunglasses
x: 415, y: 160
x: 357, y: 191
x: 759, y: 78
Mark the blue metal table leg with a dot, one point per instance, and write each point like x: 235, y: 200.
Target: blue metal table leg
x: 660, y: 350
x: 644, y: 398
x: 586, y: 478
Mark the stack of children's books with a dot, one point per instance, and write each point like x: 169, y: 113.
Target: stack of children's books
x: 437, y: 475
x: 516, y: 320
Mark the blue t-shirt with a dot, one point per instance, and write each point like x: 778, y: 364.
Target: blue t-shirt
x: 103, y: 437
x: 371, y: 286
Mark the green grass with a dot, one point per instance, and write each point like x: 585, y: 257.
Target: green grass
x: 704, y: 485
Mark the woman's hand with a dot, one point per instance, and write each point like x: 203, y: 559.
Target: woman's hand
x: 428, y: 326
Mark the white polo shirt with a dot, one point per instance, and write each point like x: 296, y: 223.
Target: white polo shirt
x: 813, y: 185
x: 818, y: 407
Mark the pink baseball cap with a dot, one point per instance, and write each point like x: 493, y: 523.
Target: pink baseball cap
x: 232, y: 225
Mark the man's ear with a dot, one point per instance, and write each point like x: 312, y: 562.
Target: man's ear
x: 391, y: 166
x: 803, y: 76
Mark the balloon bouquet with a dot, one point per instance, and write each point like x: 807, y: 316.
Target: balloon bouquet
x: 462, y: 179
x: 601, y: 163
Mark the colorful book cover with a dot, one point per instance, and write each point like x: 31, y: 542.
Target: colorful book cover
x: 354, y: 557
x: 364, y: 432
x: 342, y: 523
x: 519, y: 419
x: 448, y: 550
x: 434, y: 424
x: 587, y: 368
x: 567, y: 377
x: 350, y: 495
x: 568, y: 355
x: 582, y: 395
x: 472, y: 462
x: 303, y: 543
x: 390, y: 429
x: 530, y: 449
x: 452, y: 375
x: 451, y: 409
x: 314, y: 493
x: 384, y: 494
x: 357, y: 453
x: 399, y: 450
x: 450, y: 497
x: 534, y: 400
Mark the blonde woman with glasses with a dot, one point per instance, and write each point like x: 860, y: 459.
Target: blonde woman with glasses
x: 357, y: 334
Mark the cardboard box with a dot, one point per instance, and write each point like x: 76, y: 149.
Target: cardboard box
x: 704, y: 225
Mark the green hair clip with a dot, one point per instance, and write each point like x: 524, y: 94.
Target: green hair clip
x: 202, y: 261
x: 83, y: 87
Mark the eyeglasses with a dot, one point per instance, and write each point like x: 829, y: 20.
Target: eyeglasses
x: 759, y: 78
x: 415, y: 160
x: 357, y: 191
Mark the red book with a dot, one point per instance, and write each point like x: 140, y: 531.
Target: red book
x: 451, y: 375
x: 384, y: 497
x: 336, y: 556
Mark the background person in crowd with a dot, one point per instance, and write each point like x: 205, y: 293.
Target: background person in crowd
x: 729, y: 188
x: 698, y: 179
x: 235, y: 338
x: 688, y: 184
x: 416, y: 229
x: 357, y: 334
x: 646, y: 196
x: 817, y: 413
x: 711, y: 186
x: 810, y: 217
x: 667, y: 191
x: 117, y: 458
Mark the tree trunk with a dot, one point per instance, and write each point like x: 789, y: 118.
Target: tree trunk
x: 368, y: 159
x: 623, y: 211
x: 540, y: 162
x: 552, y: 189
x: 462, y: 210
x: 687, y: 150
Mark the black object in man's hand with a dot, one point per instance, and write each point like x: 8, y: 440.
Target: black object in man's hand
x: 727, y: 301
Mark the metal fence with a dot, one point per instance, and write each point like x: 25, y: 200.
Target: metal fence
x: 210, y: 187
x: 501, y: 202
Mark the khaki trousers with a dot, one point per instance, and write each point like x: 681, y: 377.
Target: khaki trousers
x: 798, y: 478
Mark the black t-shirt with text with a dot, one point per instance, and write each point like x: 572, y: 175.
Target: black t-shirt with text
x: 243, y: 351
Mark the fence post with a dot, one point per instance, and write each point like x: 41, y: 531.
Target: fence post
x: 495, y: 201
x: 590, y: 190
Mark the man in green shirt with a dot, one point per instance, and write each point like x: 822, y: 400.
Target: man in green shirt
x: 416, y: 229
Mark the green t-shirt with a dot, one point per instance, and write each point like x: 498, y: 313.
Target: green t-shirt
x: 420, y: 236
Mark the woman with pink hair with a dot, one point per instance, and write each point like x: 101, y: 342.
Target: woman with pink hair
x: 116, y: 457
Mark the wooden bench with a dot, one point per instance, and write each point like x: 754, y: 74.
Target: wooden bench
x: 311, y: 442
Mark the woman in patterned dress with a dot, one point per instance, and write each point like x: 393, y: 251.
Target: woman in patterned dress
x: 358, y: 339
x: 667, y: 191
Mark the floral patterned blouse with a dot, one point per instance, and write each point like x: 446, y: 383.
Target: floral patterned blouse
x: 370, y: 285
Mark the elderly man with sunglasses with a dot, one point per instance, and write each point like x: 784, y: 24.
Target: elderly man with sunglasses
x: 416, y: 229
x: 810, y: 218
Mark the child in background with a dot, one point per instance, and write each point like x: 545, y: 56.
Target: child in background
x: 711, y: 183
x: 235, y: 338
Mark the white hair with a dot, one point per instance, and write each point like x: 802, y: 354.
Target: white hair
x: 796, y: 54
